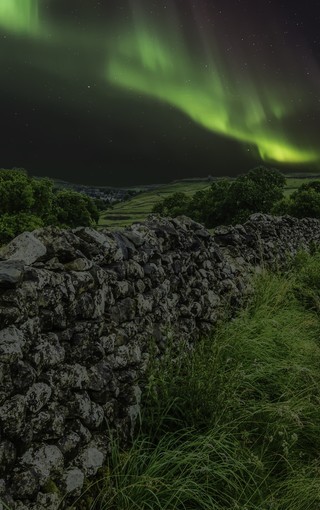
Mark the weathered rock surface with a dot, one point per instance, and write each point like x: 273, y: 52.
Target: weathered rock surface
x: 77, y: 312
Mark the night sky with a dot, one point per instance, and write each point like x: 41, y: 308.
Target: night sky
x: 123, y: 92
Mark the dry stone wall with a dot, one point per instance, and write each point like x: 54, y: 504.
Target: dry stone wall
x: 82, y: 310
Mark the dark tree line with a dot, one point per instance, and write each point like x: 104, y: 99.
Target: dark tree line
x: 233, y: 201
x: 228, y: 201
x: 27, y: 203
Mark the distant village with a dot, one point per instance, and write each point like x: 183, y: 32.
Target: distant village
x: 109, y: 196
x: 106, y: 195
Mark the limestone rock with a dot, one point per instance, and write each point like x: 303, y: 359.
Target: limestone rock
x: 72, y: 481
x: 12, y: 416
x: 11, y: 272
x: 90, y: 459
x: 44, y: 461
x: 37, y: 396
x: 25, y: 247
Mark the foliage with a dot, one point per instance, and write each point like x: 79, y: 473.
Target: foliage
x: 27, y: 204
x: 43, y: 198
x: 174, y: 205
x: 211, y: 207
x: 303, y: 203
x: 228, y: 201
x: 102, y: 205
x: 236, y: 424
x: 13, y: 224
x: 257, y: 191
x: 15, y: 191
x: 75, y: 209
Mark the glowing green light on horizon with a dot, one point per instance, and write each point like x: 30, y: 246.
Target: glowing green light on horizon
x: 20, y: 16
x: 253, y: 113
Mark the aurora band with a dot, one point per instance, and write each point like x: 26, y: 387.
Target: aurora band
x: 159, y: 63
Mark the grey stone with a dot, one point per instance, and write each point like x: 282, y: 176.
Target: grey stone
x: 25, y: 247
x: 23, y: 374
x: 90, y: 460
x: 11, y: 273
x: 25, y: 483
x: 69, y: 442
x: 11, y: 344
x: 72, y: 481
x: 99, y: 376
x: 47, y: 501
x: 79, y: 264
x: 90, y: 413
x: 48, y: 352
x: 7, y: 455
x: 12, y: 416
x: 38, y: 396
x: 44, y: 461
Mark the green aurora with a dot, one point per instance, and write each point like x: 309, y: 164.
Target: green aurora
x: 21, y: 16
x: 157, y: 60
x: 158, y: 63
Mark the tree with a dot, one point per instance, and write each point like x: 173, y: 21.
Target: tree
x: 305, y: 203
x: 211, y: 207
x: 312, y: 185
x: 16, y: 193
x: 257, y: 191
x: 43, y: 198
x: 12, y: 225
x: 228, y: 201
x: 174, y: 205
x: 74, y: 209
x: 27, y: 203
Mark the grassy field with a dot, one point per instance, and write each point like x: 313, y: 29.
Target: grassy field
x: 236, y: 424
x: 138, y: 208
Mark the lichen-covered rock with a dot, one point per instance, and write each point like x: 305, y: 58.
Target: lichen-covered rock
x: 48, y: 352
x: 90, y: 459
x: 69, y: 442
x: 37, y: 396
x: 7, y: 456
x: 23, y: 375
x: 90, y: 413
x: 47, y: 501
x: 25, y: 484
x: 11, y: 273
x: 12, y: 416
x: 11, y: 344
x: 80, y: 264
x: 99, y: 376
x: 44, y: 461
x: 25, y: 247
x: 72, y: 481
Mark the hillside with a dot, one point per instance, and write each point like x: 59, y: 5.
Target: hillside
x: 138, y: 208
